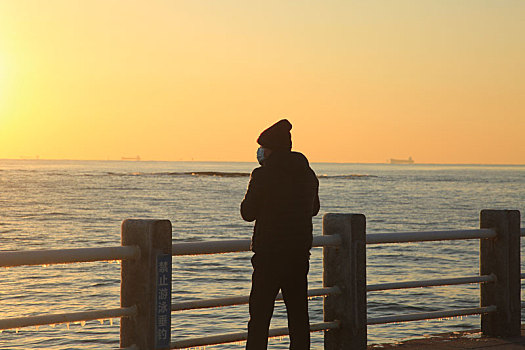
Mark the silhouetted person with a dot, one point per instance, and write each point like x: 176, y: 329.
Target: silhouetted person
x: 282, y: 197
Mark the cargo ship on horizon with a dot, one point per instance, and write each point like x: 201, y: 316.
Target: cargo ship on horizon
x: 137, y: 158
x: 402, y: 161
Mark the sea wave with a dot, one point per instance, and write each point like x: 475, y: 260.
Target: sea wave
x: 230, y: 174
x: 184, y: 173
x: 346, y: 177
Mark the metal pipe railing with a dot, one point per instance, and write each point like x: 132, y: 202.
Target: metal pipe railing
x: 422, y: 236
x: 430, y: 315
x: 210, y: 247
x: 430, y: 283
x: 61, y: 256
x: 66, y: 256
x: 242, y: 336
x: 239, y: 300
x: 20, y: 322
x: 237, y: 245
x: 242, y: 245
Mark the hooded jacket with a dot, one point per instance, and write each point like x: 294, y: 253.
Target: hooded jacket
x: 282, y: 197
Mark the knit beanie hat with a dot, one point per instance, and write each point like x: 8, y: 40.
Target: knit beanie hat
x: 277, y: 136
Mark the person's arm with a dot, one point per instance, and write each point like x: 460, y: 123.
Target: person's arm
x: 252, y: 199
x: 317, y: 204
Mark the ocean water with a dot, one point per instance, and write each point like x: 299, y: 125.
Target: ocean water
x: 73, y: 204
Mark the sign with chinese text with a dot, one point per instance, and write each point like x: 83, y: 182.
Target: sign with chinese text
x: 163, y: 302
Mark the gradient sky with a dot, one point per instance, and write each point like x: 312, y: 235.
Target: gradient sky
x: 361, y: 81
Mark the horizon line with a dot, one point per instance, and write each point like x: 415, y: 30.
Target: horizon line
x: 240, y: 161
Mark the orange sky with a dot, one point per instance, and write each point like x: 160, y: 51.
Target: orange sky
x: 361, y: 81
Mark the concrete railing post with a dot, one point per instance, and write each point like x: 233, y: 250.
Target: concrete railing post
x: 146, y: 283
x: 501, y: 256
x: 345, y: 267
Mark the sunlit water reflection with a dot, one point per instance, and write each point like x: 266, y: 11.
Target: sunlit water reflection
x: 73, y: 204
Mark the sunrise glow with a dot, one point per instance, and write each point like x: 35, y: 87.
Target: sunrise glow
x: 442, y: 82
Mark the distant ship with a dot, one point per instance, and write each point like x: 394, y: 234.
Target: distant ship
x: 402, y: 161
x: 137, y: 158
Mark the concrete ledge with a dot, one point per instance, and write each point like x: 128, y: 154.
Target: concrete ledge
x: 457, y: 340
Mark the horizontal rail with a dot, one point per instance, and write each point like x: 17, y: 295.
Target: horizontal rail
x: 430, y: 283
x: 242, y: 336
x: 401, y: 237
x: 239, y: 300
x: 237, y: 245
x: 242, y: 245
x: 430, y: 315
x: 20, y: 322
x: 66, y: 256
x: 327, y: 241
x: 210, y: 247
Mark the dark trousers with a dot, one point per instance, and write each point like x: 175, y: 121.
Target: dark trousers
x: 289, y: 274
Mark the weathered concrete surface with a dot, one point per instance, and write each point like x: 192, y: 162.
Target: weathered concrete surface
x: 458, y: 340
x: 345, y: 267
x: 501, y: 256
x: 139, y: 283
